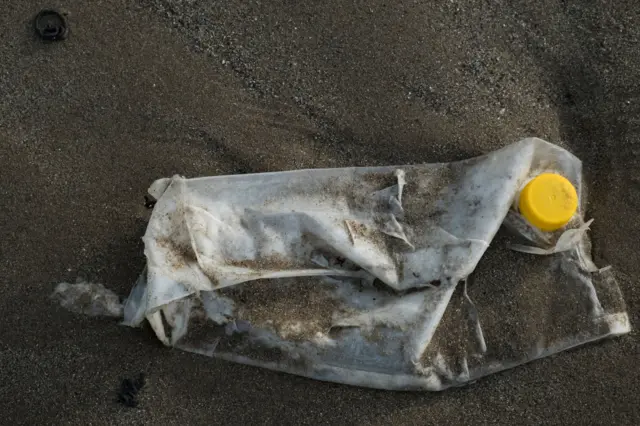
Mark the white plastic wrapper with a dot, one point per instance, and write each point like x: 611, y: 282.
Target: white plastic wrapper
x: 365, y: 276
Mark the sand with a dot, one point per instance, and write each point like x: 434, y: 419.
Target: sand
x: 144, y: 89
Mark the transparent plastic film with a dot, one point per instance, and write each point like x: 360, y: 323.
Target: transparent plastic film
x: 412, y: 277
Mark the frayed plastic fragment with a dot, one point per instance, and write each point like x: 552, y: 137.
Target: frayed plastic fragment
x: 89, y: 299
x: 568, y: 240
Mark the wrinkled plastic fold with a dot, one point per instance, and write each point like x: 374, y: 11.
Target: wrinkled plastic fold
x: 395, y: 277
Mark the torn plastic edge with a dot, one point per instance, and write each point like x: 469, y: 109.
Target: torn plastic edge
x: 567, y: 241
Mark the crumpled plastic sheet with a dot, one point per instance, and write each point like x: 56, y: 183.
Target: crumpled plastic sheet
x: 386, y: 277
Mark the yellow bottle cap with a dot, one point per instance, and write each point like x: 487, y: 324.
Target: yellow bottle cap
x: 548, y: 201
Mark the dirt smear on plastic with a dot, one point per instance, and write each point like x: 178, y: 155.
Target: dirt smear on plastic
x: 294, y: 308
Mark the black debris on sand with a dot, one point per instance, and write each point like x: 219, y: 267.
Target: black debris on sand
x: 129, y: 389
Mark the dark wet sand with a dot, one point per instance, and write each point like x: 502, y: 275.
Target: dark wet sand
x: 145, y: 89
